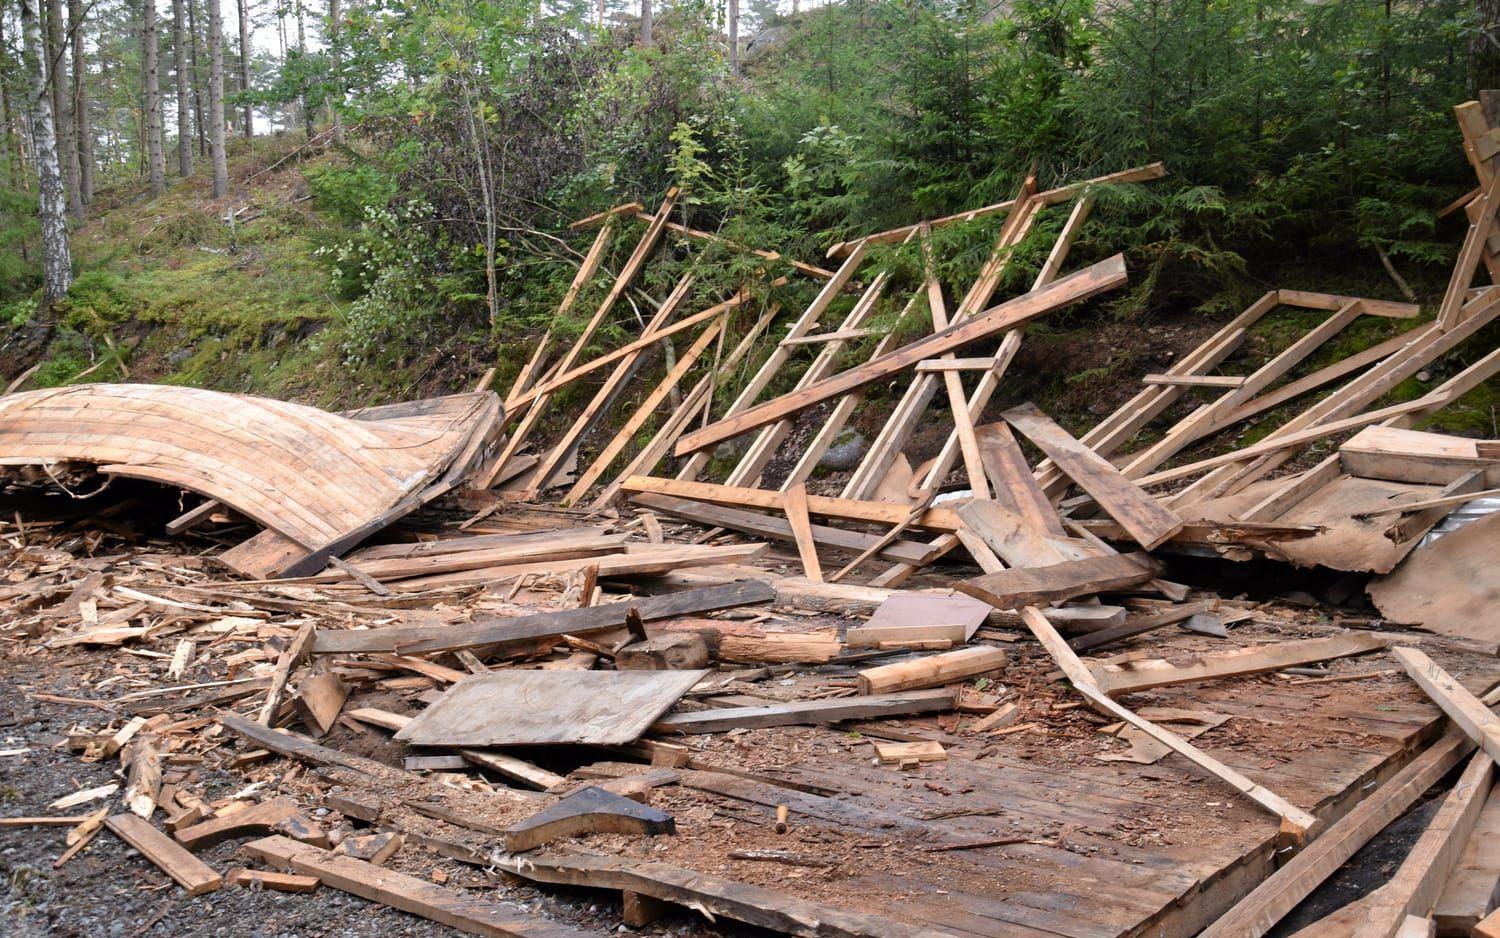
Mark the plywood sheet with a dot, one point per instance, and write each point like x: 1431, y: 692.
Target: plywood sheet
x: 517, y: 708
x: 908, y: 610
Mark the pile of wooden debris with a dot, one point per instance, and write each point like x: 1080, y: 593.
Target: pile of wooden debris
x: 1066, y: 742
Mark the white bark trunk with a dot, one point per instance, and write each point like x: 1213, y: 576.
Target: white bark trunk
x: 156, y: 155
x: 62, y: 103
x: 216, y: 99
x: 179, y: 70
x: 57, y: 262
x: 337, y: 99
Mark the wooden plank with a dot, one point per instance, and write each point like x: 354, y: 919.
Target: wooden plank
x: 457, y: 910
x: 1147, y: 521
x: 794, y: 504
x: 1012, y: 589
x: 1016, y: 542
x: 1143, y: 675
x: 932, y: 670
x: 1105, y: 275
x: 779, y: 356
x: 628, y: 359
x: 319, y: 698
x: 1473, y: 890
x: 889, y: 537
x: 749, y: 522
x: 1048, y: 197
x: 1299, y: 820
x: 592, y: 810
x: 1332, y: 301
x: 498, y: 762
x: 1255, y: 914
x: 1471, y: 714
x: 936, y: 518
x: 254, y: 819
x: 511, y: 708
x: 956, y: 364
x: 267, y: 879
x: 186, y: 870
x: 797, y: 712
x: 1419, y: 881
x: 643, y: 412
x: 1196, y: 381
x: 952, y: 380
x: 295, y: 653
x: 1140, y: 626
x: 1015, y: 484
x: 517, y: 629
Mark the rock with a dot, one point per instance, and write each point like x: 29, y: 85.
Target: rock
x: 733, y: 449
x: 848, y: 448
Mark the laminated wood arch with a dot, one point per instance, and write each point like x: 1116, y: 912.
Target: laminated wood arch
x: 311, y: 476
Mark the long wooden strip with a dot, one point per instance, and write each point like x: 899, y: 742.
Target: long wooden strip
x: 768, y: 369
x: 1463, y: 708
x: 1047, y: 197
x: 870, y: 707
x: 643, y: 412
x: 1015, y: 485
x: 1419, y: 882
x: 1255, y: 914
x: 1147, y: 521
x: 750, y: 522
x: 936, y: 518
x: 187, y: 870
x: 1012, y: 589
x: 585, y: 273
x: 794, y: 505
x: 458, y: 910
x: 1138, y: 676
x: 427, y: 639
x: 1299, y: 820
x: 1105, y: 275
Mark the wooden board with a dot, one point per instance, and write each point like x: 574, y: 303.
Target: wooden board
x: 590, y: 811
x: 1015, y: 484
x: 458, y: 910
x: 959, y: 615
x: 499, y: 631
x: 1105, y: 275
x: 869, y: 707
x: 1136, y: 676
x: 1401, y: 455
x: 1012, y: 589
x: 1473, y: 889
x: 1148, y: 522
x: 511, y: 708
x: 187, y: 870
x: 932, y: 670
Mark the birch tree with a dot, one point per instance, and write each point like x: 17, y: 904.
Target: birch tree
x: 57, y: 261
x: 83, y: 123
x: 244, y: 10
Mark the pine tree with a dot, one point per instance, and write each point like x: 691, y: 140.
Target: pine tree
x: 180, y: 75
x: 57, y: 262
x: 156, y: 159
x: 216, y: 99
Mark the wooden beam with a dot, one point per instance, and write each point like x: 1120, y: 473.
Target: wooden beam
x: 1270, y: 901
x: 458, y: 910
x: 796, y: 712
x: 1196, y: 381
x: 186, y: 870
x: 1331, y: 301
x: 1147, y: 521
x: 1467, y: 711
x: 1048, y: 197
x: 956, y: 364
x: 1105, y: 275
x: 1137, y: 676
x: 1012, y: 589
x: 932, y: 670
x: 794, y: 504
x: 936, y: 518
x: 1418, y: 883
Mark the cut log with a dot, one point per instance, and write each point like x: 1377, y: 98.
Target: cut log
x: 590, y: 811
x: 675, y: 651
x: 187, y: 870
x: 932, y: 670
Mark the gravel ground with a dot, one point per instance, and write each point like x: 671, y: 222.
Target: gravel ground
x: 110, y: 891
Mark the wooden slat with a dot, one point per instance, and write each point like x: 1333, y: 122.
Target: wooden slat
x: 1105, y: 275
x: 187, y: 870
x: 1137, y: 676
x: 936, y: 518
x: 869, y: 707
x: 1015, y: 485
x: 1147, y: 521
x: 794, y: 504
x: 1012, y: 589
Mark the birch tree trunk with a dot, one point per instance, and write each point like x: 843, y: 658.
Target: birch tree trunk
x: 307, y: 114
x: 156, y: 156
x: 216, y: 99
x: 180, y: 76
x: 83, y: 123
x: 57, y: 263
x: 244, y: 5
x: 62, y: 103
x: 734, y: 36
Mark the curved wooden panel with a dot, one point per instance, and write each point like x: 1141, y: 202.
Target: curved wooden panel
x: 307, y: 474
